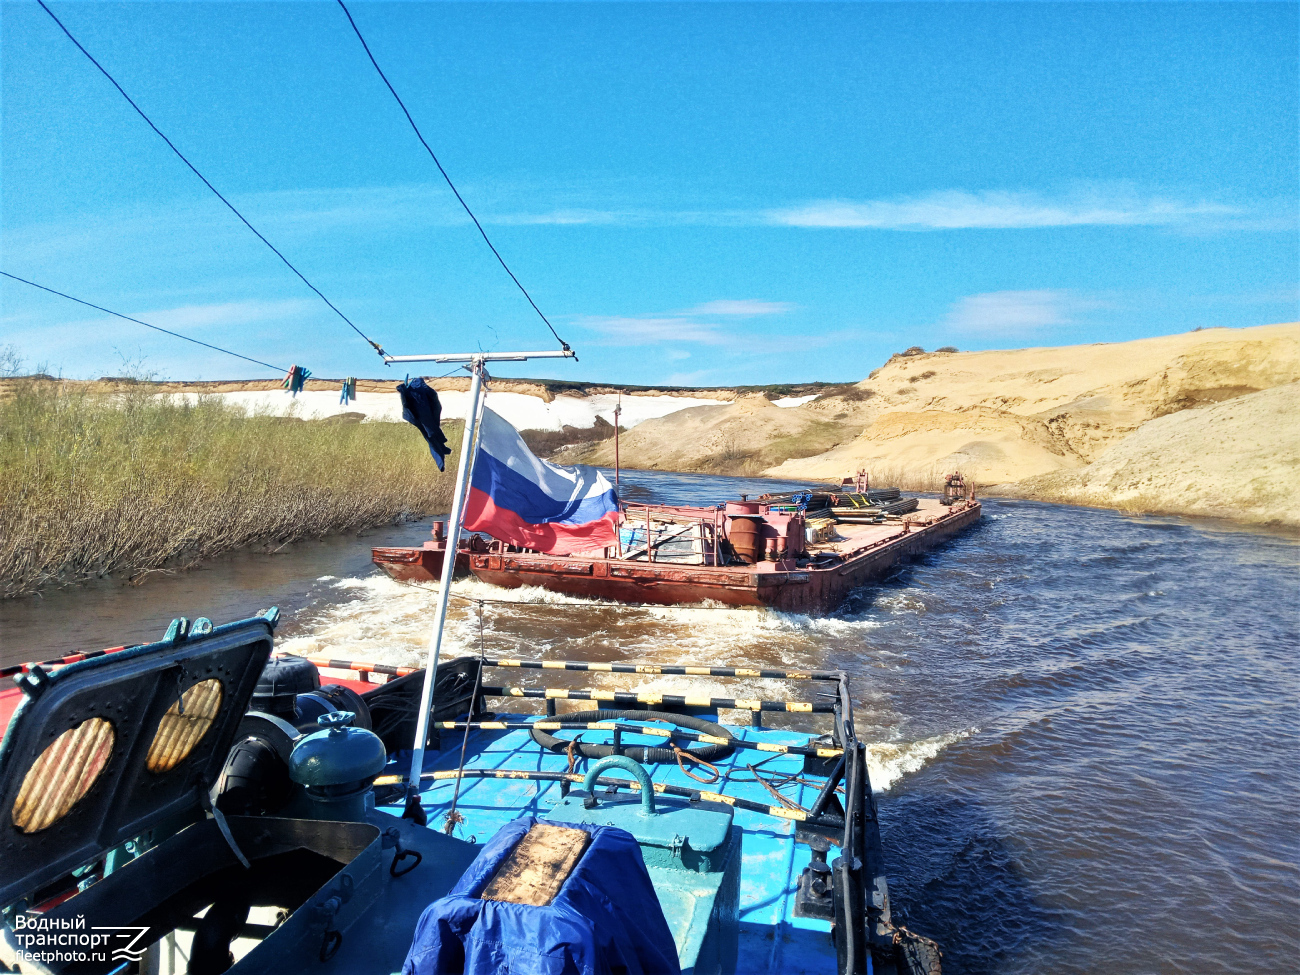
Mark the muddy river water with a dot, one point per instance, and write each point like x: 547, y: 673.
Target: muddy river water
x: 1086, y: 726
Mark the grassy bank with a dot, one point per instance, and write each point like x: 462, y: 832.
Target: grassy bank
x: 92, y: 484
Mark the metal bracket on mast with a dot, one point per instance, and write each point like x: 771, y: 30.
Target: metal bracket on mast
x: 476, y: 363
x: 481, y: 356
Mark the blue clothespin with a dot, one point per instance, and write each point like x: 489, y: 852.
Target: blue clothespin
x: 349, y: 390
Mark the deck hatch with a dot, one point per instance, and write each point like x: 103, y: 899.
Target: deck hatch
x: 100, y: 751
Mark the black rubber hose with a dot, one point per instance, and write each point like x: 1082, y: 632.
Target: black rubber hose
x: 638, y: 753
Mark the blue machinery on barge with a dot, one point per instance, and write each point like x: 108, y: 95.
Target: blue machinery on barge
x: 121, y: 808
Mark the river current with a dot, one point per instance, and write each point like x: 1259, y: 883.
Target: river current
x: 1085, y: 726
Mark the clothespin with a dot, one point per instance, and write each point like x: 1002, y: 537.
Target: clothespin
x: 349, y: 390
x: 296, y: 379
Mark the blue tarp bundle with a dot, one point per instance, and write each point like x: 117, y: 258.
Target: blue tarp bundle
x: 605, y: 919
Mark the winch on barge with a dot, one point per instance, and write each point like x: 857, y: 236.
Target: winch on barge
x: 200, y: 810
x: 801, y: 553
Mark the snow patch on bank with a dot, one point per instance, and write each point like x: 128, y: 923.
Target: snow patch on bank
x: 522, y: 411
x: 788, y: 401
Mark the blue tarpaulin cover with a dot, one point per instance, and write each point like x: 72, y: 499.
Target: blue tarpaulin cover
x: 605, y: 919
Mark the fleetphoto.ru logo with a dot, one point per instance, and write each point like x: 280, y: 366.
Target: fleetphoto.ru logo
x: 50, y: 940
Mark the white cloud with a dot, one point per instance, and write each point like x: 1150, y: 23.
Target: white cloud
x: 681, y: 327
x: 636, y: 330
x: 960, y: 209
x: 744, y: 306
x: 565, y: 218
x: 1013, y: 312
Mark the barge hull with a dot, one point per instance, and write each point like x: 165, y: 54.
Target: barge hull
x: 417, y: 564
x: 796, y: 591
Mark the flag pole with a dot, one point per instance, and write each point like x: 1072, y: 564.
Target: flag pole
x: 477, y: 362
x: 618, y: 411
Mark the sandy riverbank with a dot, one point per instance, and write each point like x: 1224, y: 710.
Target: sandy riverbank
x: 1029, y: 421
x: 1236, y: 460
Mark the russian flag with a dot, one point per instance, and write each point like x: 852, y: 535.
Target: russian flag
x: 521, y: 499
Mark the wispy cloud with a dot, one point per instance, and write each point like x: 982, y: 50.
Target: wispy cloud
x: 568, y: 218
x: 1014, y: 312
x: 190, y: 229
x: 949, y: 209
x: 645, y: 330
x: 696, y: 325
x: 741, y: 307
x: 960, y: 209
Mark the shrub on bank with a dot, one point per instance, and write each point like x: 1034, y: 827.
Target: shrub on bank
x: 97, y: 483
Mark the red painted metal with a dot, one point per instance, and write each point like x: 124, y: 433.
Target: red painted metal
x: 10, y: 698
x: 419, y: 564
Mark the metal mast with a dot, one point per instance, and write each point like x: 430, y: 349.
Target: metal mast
x: 476, y: 363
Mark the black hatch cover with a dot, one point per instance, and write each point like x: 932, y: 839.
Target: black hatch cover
x: 105, y: 749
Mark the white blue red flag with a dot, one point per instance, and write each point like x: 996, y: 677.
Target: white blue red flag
x: 519, y: 498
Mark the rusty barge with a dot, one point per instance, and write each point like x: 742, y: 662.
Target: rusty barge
x: 744, y: 553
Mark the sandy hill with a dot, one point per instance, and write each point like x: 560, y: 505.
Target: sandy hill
x: 1236, y: 459
x: 1000, y: 416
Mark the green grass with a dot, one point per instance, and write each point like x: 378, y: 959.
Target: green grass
x: 95, y: 484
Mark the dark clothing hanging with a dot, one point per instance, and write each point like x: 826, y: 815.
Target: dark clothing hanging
x: 421, y: 408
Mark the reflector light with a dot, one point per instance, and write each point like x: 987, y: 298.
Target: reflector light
x: 62, y: 774
x: 184, y: 725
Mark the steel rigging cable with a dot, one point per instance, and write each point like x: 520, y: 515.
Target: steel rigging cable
x: 229, y: 205
x: 416, y: 129
x: 109, y: 311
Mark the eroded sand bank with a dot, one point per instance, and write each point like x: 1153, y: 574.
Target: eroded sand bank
x: 1031, y: 422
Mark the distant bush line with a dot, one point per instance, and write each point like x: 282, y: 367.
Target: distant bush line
x: 93, y: 484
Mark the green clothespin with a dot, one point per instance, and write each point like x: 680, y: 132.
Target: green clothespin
x: 296, y: 379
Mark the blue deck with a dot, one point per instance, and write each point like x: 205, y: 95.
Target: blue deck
x: 772, y: 939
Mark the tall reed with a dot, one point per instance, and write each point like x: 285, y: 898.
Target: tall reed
x: 98, y: 483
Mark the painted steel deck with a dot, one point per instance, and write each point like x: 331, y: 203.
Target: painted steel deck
x: 772, y: 939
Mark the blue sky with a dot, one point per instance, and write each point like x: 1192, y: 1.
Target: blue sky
x: 700, y: 194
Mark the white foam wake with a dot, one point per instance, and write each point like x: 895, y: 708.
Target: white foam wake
x: 381, y: 620
x: 888, y: 762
